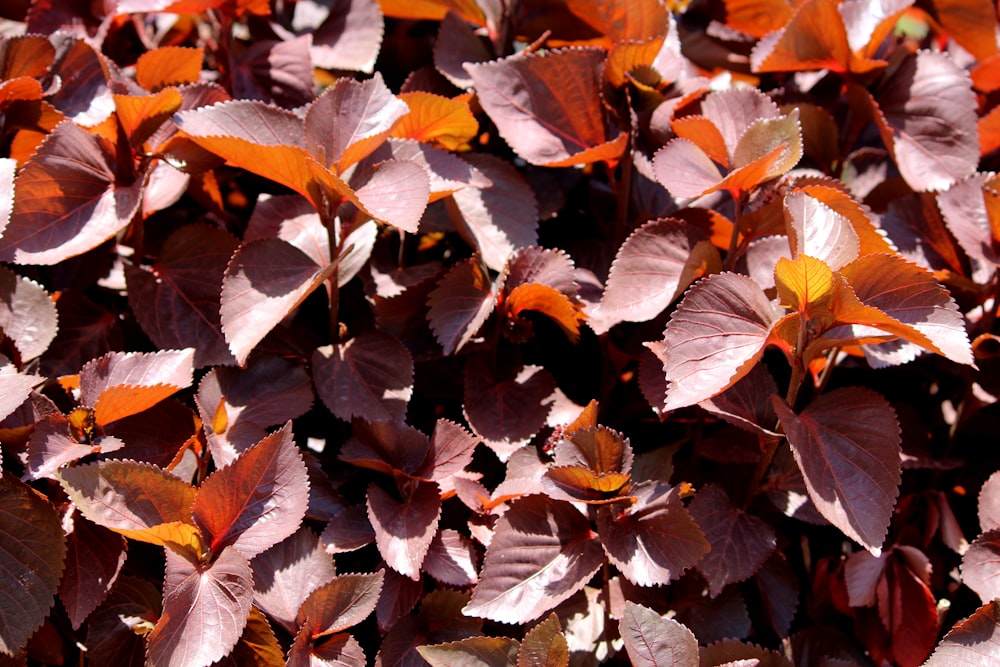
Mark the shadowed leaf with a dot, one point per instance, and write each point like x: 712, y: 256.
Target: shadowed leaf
x: 345, y: 36
x: 94, y: 557
x: 816, y: 230
x: 973, y: 642
x: 472, y: 652
x: 460, y: 304
x: 112, y: 637
x: 403, y: 531
x: 285, y: 575
x: 28, y: 316
x: 345, y: 600
x: 654, y: 641
x: 451, y: 559
x: 544, y: 645
x: 339, y: 650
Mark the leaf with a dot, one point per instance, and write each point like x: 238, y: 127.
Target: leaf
x: 256, y: 501
x: 396, y: 193
x: 56, y: 441
x: 8, y: 172
x: 285, y: 575
x: 138, y: 500
x: 112, y: 638
x: 446, y: 122
x: 370, y: 377
x: 779, y: 592
x: 451, y: 450
x: 846, y: 442
x: 31, y: 554
x: 119, y: 384
x: 653, y: 541
x: 497, y: 219
x: 651, y: 269
x: 544, y: 645
x: 714, y: 337
x: 16, y: 386
x: 925, y: 112
x: 278, y: 71
x: 168, y: 66
x: 451, y: 559
x: 685, y: 170
x: 968, y: 210
x: 979, y: 565
x: 740, y: 542
x: 815, y: 38
x: 94, y: 558
x: 542, y: 552
x: 398, y: 598
x: 69, y: 199
x: 816, y: 230
x: 386, y: 447
x: 472, y: 652
x: 548, y: 106
x: 141, y: 115
x: 989, y: 503
x: 257, y: 646
x: 344, y: 36
x: 403, y: 531
x: 971, y: 24
x: 176, y: 300
x: 546, y: 301
x: 340, y: 650
x: 460, y: 304
x: 506, y: 412
x: 205, y: 608
x: 344, y: 601
x: 28, y: 316
x: 654, y: 641
x: 747, y: 403
x: 973, y: 642
x: 907, y: 607
x: 266, y: 279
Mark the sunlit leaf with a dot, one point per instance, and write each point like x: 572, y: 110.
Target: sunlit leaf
x: 168, y: 66
x: 451, y: 559
x: 472, y: 652
x: 344, y: 601
x: 816, y: 230
x: 973, y: 642
x: 971, y: 24
x: 257, y: 646
x: 121, y: 384
x: 141, y: 115
x: 31, y: 554
x: 447, y: 122
x: 654, y: 641
x: 16, y: 386
x: 404, y: 530
x: 285, y: 575
x: 846, y: 443
x: 547, y: 301
x: 969, y: 209
x: 345, y: 36
x: 396, y: 193
x: 979, y: 565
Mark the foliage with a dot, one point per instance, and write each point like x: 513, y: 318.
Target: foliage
x: 641, y: 332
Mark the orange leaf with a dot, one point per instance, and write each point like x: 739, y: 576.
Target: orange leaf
x: 989, y: 131
x: 705, y: 135
x: 986, y: 75
x: 168, y: 66
x: 869, y: 238
x: 548, y: 301
x: 625, y: 58
x: 433, y: 10
x: 447, y: 122
x: 140, y: 116
x: 805, y: 284
x: 972, y: 23
x: 757, y: 17
x: 124, y: 400
x: 21, y: 88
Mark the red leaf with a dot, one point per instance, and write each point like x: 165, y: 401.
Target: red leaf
x: 398, y: 597
x: 285, y: 575
x: 256, y: 501
x: 370, y: 377
x: 69, y: 199
x: 654, y: 641
x: 546, y: 301
x: 345, y: 36
x: 747, y: 403
x: 257, y: 646
x: 506, y: 411
x: 94, y: 557
x: 348, y: 530
x: 205, y: 608
x: 345, y: 600
x: 925, y: 111
x: 815, y: 38
x: 386, y: 447
x: 237, y: 405
x: 86, y: 330
x: 176, y: 300
x: 121, y: 384
x: 740, y: 542
x: 971, y: 24
x: 451, y: 449
x: 909, y: 611
x: 714, y: 337
x: 28, y: 315
x: 451, y: 559
x: 685, y: 170
x: 460, y: 304
x: 497, y: 218
x: 542, y: 552
x: 265, y: 280
x: 340, y: 650
x: 652, y: 268
x: 472, y: 652
x: 779, y: 592
x: 548, y: 106
x: 973, y: 642
x: 847, y: 444
x: 543, y: 266
x: 31, y: 554
x: 653, y: 541
x: 403, y: 531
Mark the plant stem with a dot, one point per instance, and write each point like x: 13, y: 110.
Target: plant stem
x: 731, y: 254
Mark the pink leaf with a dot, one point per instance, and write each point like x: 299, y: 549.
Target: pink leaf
x: 542, y: 552
x: 451, y: 559
x: 817, y: 230
x: 747, y: 403
x: 685, y: 169
x: 249, y: 121
x: 256, y: 501
x: 293, y: 219
x: 396, y: 193
x: 989, y: 503
x: 28, y: 315
x: 981, y: 564
x: 404, y: 530
x: 973, y: 642
x: 451, y: 449
x: 847, y: 444
x: 370, y: 377
x: 278, y: 71
x: 345, y: 600
x: 654, y: 641
x: 346, y: 36
x: 340, y: 650
x: 15, y: 387
x: 205, y: 607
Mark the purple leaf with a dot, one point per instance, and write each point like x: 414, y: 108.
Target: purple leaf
x: 386, y: 447
x: 94, y: 558
x: 344, y: 601
x: 256, y: 501
x: 460, y: 304
x: 205, y: 608
x: 346, y: 36
x: 451, y: 559
x: 980, y: 565
x: 965, y: 207
x: 28, y: 316
x: 733, y: 111
x: 685, y: 169
x: 403, y: 531
x: 447, y: 171
x: 973, y: 642
x: 654, y: 641
x: 398, y: 597
x: 717, y: 333
x: 846, y: 443
x: 31, y: 554
x: 248, y: 121
x: 989, y: 503
x: 293, y: 219
x: 370, y: 377
x: 653, y: 541
x: 747, y: 403
x: 740, y: 542
x: 279, y: 71
x: 340, y: 650
x: 176, y: 300
x: 451, y: 449
x: 52, y: 445
x: 779, y: 592
x: 542, y: 552
x: 8, y: 170
x: 111, y: 630
x: 348, y: 530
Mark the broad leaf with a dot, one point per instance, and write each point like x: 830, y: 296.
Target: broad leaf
x: 31, y: 554
x: 451, y: 450
x: 168, y: 66
x: 398, y: 597
x: 339, y: 650
x: 451, y: 559
x: 265, y: 280
x: 386, y: 447
x: 747, y: 403
x: 256, y: 501
x: 68, y: 199
x: 846, y: 443
x: 257, y: 646
x: 713, y: 338
x: 460, y: 304
x: 116, y: 630
x: 176, y: 300
x: 542, y: 552
x: 205, y: 608
x: 370, y: 377
x: 16, y: 386
x: 403, y: 531
x: 816, y: 230
x: 28, y: 316
x: 544, y: 645
x: 548, y: 107
x: 969, y: 210
x: 345, y: 36
x: 655, y: 540
x: 397, y: 193
x: 979, y: 565
x: 285, y: 575
x: 925, y: 112
x: 344, y: 601
x: 973, y: 642
x: 989, y: 503
x: 94, y: 558
x: 654, y: 641
x: 740, y: 542
x: 472, y: 652
x: 447, y: 122
x: 120, y: 384
x: 652, y: 268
